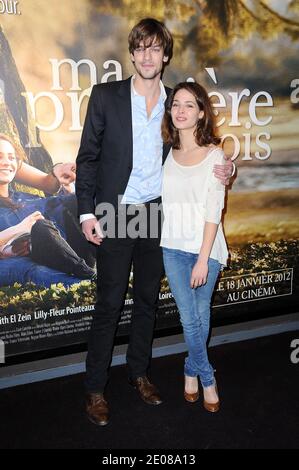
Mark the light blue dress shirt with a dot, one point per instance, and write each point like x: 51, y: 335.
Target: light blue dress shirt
x: 145, y: 182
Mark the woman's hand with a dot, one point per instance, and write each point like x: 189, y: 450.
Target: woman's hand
x: 26, y: 225
x: 199, y: 274
x: 21, y: 247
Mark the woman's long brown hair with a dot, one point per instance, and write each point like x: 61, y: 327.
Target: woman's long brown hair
x: 205, y: 133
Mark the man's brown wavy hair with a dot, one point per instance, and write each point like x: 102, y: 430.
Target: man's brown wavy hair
x: 205, y: 132
x: 149, y: 30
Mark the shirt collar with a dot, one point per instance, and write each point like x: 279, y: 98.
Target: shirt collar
x: 163, y: 93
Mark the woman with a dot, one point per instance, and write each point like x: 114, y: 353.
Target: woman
x: 194, y: 247
x: 43, y: 228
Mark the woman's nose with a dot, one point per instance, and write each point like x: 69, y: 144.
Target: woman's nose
x: 5, y: 161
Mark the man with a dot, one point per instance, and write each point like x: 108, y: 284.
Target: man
x: 121, y: 157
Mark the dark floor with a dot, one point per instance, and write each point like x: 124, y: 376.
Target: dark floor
x: 258, y: 386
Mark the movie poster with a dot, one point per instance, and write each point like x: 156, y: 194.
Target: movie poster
x: 245, y: 52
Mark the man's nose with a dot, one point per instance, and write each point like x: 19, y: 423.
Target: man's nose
x: 147, y: 52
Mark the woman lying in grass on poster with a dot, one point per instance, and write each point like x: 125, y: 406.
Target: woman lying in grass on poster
x: 42, y: 230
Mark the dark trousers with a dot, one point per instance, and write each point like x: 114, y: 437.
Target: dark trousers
x: 72, y: 256
x: 114, y: 260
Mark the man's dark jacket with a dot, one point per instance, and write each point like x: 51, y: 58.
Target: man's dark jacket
x: 105, y: 157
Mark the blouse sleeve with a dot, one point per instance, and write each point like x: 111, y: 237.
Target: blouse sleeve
x: 216, y: 194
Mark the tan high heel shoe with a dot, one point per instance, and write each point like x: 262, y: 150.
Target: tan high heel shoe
x: 212, y: 407
x: 191, y: 397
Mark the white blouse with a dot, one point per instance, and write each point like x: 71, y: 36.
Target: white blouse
x: 191, y: 196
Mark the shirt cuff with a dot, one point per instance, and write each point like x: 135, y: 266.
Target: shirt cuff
x: 84, y: 217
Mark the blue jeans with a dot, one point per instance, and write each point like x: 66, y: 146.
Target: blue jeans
x: 194, y: 306
x: 23, y: 269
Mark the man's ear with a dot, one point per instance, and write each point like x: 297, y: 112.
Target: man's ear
x: 165, y: 59
x: 132, y: 57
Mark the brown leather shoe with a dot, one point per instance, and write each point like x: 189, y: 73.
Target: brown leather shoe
x: 146, y: 390
x: 191, y: 397
x: 212, y: 407
x: 97, y: 409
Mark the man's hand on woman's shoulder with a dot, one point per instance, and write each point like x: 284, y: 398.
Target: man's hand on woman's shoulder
x: 225, y: 172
